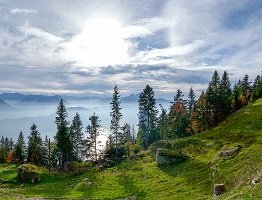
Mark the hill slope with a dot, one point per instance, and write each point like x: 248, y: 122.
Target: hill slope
x: 141, y: 178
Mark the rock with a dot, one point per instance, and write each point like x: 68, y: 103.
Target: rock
x: 256, y: 180
x: 28, y: 173
x: 219, y: 189
x: 229, y: 152
x: 165, y: 156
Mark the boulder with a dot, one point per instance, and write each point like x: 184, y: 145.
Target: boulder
x: 165, y: 156
x: 229, y: 152
x: 219, y: 189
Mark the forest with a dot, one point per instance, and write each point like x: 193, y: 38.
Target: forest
x: 186, y: 116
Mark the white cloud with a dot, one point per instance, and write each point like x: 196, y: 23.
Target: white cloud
x: 22, y: 11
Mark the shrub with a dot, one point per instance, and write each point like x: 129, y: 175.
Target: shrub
x: 28, y: 173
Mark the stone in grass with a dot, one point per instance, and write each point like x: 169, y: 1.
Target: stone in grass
x: 28, y: 173
x: 229, y: 152
x: 219, y: 189
x: 165, y: 156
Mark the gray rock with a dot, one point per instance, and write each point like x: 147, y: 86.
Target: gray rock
x: 229, y: 152
x: 164, y: 156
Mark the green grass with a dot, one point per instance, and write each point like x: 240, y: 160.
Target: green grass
x: 141, y: 178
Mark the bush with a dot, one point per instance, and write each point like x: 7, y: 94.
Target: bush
x: 28, y: 173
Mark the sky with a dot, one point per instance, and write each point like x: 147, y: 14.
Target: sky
x: 84, y: 47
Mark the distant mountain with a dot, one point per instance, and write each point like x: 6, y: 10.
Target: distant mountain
x: 40, y: 99
x: 132, y: 98
x: 4, y: 105
x: 12, y: 96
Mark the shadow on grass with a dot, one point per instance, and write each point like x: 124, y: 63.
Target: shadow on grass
x: 197, y: 176
x: 129, y: 186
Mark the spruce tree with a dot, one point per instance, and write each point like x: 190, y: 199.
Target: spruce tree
x: 63, y: 139
x: 191, y: 101
x: 178, y: 117
x: 225, y: 94
x: 116, y: 117
x: 3, y: 150
x: 34, y: 149
x: 20, y: 149
x: 93, y: 142
x: 162, y: 123
x: 257, y: 88
x: 77, y: 136
x: 147, y: 117
x: 213, y: 98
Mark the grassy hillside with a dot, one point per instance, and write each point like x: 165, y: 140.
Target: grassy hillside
x: 141, y: 178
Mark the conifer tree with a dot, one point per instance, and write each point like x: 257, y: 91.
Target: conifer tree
x: 178, y: 117
x: 45, y: 149
x: 34, y: 149
x: 20, y: 149
x: 162, y: 123
x: 191, y: 101
x: 147, y: 117
x: 225, y: 94
x: 116, y: 117
x: 3, y: 150
x: 213, y: 98
x: 93, y: 141
x: 257, y: 88
x: 77, y: 136
x: 63, y: 140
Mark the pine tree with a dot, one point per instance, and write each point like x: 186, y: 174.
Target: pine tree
x: 213, y: 98
x: 3, y: 150
x: 162, y: 123
x: 178, y: 117
x: 93, y: 142
x: 246, y: 88
x: 225, y: 94
x: 20, y: 149
x: 63, y: 139
x: 77, y: 136
x: 257, y: 88
x: 147, y: 117
x: 126, y: 134
x: 191, y: 101
x: 116, y: 117
x: 45, y: 150
x: 34, y: 149
x: 201, y: 115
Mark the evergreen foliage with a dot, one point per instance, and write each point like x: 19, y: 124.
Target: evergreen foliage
x: 34, y: 149
x: 147, y: 117
x: 116, y: 117
x: 64, y: 145
x: 77, y: 137
x: 20, y: 149
x: 93, y: 142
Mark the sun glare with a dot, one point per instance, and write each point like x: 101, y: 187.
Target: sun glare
x: 100, y: 43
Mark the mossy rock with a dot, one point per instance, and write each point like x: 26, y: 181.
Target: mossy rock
x: 165, y: 156
x: 163, y: 144
x: 28, y: 173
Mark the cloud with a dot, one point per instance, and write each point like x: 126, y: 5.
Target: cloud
x: 15, y: 11
x: 91, y: 45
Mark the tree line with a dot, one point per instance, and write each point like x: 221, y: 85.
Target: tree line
x: 185, y: 116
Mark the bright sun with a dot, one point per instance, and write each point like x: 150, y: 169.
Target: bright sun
x: 100, y: 43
